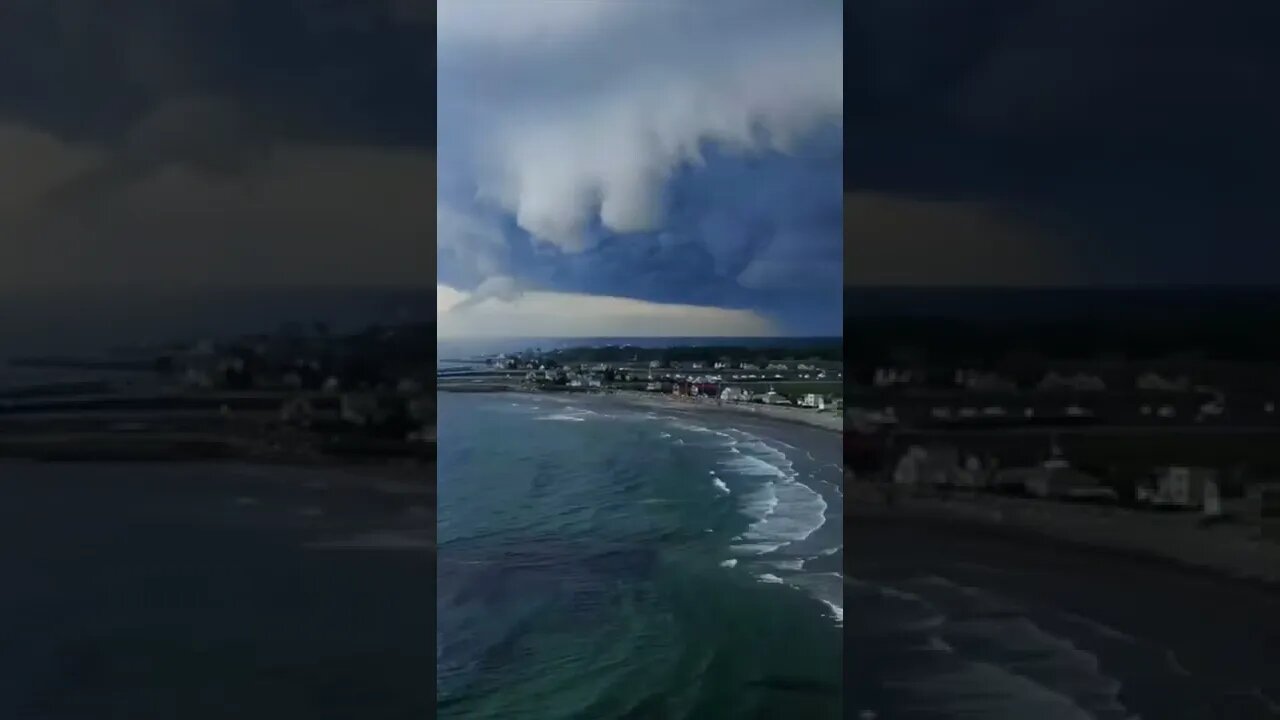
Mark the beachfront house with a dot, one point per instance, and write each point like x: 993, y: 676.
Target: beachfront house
x: 197, y: 379
x: 985, y: 382
x: 1156, y: 381
x: 934, y: 465
x: 360, y: 409
x: 1263, y: 501
x: 813, y: 400
x: 297, y: 411
x: 773, y: 398
x: 1055, y: 479
x: 777, y: 366
x: 1081, y: 382
x: 1184, y: 487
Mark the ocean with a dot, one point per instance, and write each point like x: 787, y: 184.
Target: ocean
x: 201, y: 590
x: 602, y: 561
x: 946, y: 622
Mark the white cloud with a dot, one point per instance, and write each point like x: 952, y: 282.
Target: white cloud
x: 520, y: 21
x: 598, y: 103
x: 555, y: 314
x: 476, y: 244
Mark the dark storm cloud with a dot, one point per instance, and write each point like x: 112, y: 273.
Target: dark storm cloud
x: 674, y: 153
x: 214, y: 142
x: 1136, y: 138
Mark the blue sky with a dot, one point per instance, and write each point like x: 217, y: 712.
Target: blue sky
x: 682, y: 158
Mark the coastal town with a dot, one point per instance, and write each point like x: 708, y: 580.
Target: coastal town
x: 301, y: 394
x: 770, y: 377
x: 1172, y: 457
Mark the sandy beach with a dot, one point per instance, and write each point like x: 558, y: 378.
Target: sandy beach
x: 1229, y: 548
x: 826, y: 420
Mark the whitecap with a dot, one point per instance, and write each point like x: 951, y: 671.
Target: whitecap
x: 562, y: 418
x: 728, y: 563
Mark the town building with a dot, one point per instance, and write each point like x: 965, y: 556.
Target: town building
x: 813, y: 400
x: 1186, y: 487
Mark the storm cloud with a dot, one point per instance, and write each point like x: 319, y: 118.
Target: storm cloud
x: 670, y: 152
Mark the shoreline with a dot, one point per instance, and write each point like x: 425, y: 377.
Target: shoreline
x: 1225, y: 550
x: 784, y: 414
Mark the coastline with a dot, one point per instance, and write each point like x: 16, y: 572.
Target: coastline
x: 785, y: 414
x: 1225, y: 549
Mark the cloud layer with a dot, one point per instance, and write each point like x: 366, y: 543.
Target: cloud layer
x: 553, y: 314
x: 605, y: 154
x: 679, y: 152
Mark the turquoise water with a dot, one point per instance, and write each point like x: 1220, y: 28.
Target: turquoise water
x: 599, y: 561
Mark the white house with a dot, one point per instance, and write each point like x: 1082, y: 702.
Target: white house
x: 1055, y: 478
x: 1188, y: 487
x: 198, y: 379
x: 297, y: 411
x: 359, y: 408
x: 1155, y: 381
x: 813, y: 400
x: 773, y: 398
x: 937, y: 465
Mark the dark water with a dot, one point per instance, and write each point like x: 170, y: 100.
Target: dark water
x: 946, y: 622
x: 602, y: 562
x: 187, y: 591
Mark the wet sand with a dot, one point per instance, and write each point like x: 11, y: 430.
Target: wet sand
x: 1232, y: 549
